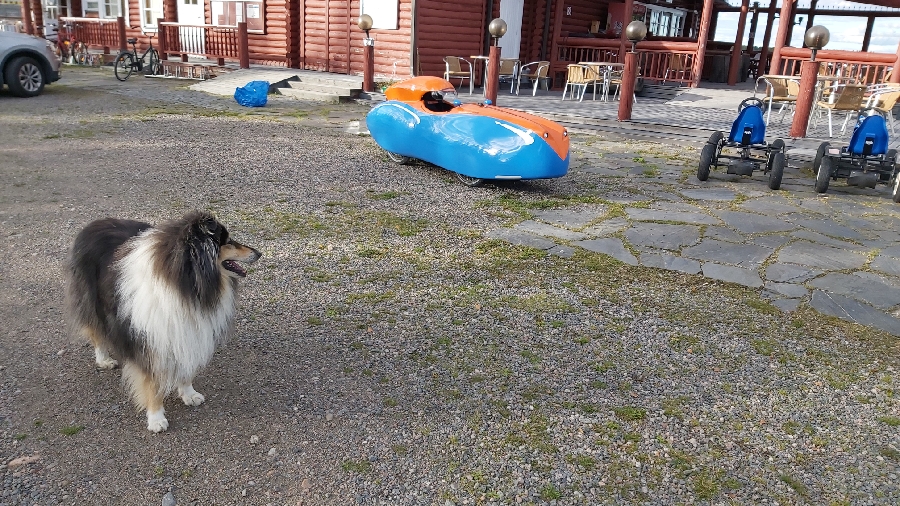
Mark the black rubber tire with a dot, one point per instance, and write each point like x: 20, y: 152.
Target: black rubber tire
x: 80, y: 53
x: 25, y: 77
x: 468, y: 180
x: 777, y: 170
x: 715, y: 138
x: 124, y: 66
x: 895, y: 187
x: 706, y: 159
x: 398, y: 159
x: 750, y: 102
x: 823, y: 176
x: 889, y: 166
x: 777, y: 146
x: 152, y: 68
x: 820, y: 153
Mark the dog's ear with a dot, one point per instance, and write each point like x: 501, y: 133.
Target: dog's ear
x: 209, y: 226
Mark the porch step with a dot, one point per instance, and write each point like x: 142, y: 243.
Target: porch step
x: 325, y: 88
x: 660, y: 91
x: 343, y: 89
x: 301, y: 94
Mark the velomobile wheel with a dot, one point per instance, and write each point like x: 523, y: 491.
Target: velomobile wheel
x: 468, y: 180
x: 706, y: 157
x: 402, y: 160
x: 823, y: 177
x: 820, y: 153
x: 776, y: 170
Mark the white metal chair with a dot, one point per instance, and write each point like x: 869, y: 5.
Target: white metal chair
x: 577, y: 76
x: 453, y: 70
x: 534, y: 71
x: 780, y: 91
x: 883, y: 100
x: 509, y: 70
x: 849, y: 100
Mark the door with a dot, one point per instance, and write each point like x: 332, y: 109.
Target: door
x: 511, y: 12
x: 190, y: 12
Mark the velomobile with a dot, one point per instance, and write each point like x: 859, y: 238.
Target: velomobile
x: 476, y: 141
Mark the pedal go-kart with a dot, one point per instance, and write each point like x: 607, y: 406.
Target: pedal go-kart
x: 865, y: 162
x: 478, y: 142
x: 748, y: 137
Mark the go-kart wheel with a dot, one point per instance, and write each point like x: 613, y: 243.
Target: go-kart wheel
x: 777, y: 146
x: 469, y: 181
x: 750, y: 102
x: 706, y: 160
x: 715, y: 138
x: 776, y: 171
x: 888, y: 166
x: 402, y: 160
x: 895, y: 190
x: 823, y: 177
x: 820, y: 153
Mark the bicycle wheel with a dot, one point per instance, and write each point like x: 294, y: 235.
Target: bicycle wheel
x: 152, y: 68
x: 124, y: 66
x: 80, y: 53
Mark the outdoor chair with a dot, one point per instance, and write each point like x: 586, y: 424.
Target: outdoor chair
x: 677, y: 67
x: 780, y: 91
x: 453, y: 70
x: 883, y: 101
x: 615, y: 79
x: 535, y: 72
x: 509, y: 68
x: 578, y: 77
x: 849, y: 100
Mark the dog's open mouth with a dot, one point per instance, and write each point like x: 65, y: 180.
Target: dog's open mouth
x: 234, y: 267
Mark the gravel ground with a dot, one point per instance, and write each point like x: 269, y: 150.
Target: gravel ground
x: 386, y: 352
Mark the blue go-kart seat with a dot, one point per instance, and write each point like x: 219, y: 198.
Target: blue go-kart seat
x: 870, y: 137
x: 749, y: 127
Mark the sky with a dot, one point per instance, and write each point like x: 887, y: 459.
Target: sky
x: 846, y: 32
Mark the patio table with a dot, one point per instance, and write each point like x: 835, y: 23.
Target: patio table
x: 603, y: 69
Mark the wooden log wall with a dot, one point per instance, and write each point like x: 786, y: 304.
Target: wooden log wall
x: 583, y: 13
x: 449, y: 28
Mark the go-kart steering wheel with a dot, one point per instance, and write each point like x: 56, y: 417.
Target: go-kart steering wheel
x: 750, y: 102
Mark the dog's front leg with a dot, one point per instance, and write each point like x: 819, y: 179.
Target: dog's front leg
x: 190, y: 396
x: 147, y: 395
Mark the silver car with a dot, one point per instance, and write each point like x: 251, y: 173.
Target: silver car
x: 27, y: 63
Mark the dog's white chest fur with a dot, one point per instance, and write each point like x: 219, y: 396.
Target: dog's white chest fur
x: 178, y: 334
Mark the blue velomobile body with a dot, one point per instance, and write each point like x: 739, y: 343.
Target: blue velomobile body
x: 475, y: 140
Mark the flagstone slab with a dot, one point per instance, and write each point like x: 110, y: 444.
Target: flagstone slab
x: 658, y: 235
x: 773, y: 241
x: 816, y: 237
x: 677, y: 206
x: 543, y: 229
x: 770, y: 205
x: 670, y: 262
x: 820, y: 256
x: 788, y: 273
x: 521, y: 238
x: 871, y: 291
x: 562, y: 251
x: 743, y: 255
x: 611, y: 247
x: 817, y: 204
x: 886, y: 264
x: 722, y: 234
x: 727, y: 273
x: 787, y: 305
x: 718, y: 194
x: 855, y: 311
x: 792, y: 290
x: 752, y: 223
x: 831, y: 228
x: 677, y: 216
x: 606, y: 227
x: 571, y: 218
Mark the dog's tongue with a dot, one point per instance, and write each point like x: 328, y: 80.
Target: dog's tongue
x: 235, y: 267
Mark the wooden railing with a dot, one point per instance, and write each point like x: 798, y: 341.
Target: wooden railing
x: 661, y: 61
x: 667, y: 65
x: 96, y: 33
x: 213, y: 42
x: 864, y: 68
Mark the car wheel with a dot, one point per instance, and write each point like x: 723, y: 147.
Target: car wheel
x: 817, y: 161
x: 402, y: 160
x: 823, y: 177
x: 24, y: 77
x: 776, y: 170
x: 706, y: 158
x: 469, y: 181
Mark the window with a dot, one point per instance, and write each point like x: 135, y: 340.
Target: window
x: 230, y: 13
x: 384, y: 13
x: 151, y: 10
x: 105, y: 9
x: 665, y: 22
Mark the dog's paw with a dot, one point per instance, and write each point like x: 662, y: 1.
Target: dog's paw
x: 107, y: 364
x: 193, y: 398
x: 156, y: 421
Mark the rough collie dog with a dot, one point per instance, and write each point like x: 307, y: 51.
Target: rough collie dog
x: 160, y: 299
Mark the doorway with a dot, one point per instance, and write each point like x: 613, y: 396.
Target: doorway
x: 193, y: 39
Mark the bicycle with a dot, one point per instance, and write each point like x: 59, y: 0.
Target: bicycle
x: 68, y: 49
x: 129, y: 61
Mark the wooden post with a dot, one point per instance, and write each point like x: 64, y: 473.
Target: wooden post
x: 809, y: 72
x: 26, y: 17
x: 492, y: 79
x: 161, y: 33
x: 243, y: 45
x: 809, y: 18
x: 368, y: 64
x: 751, y: 37
x: 868, y: 36
x: 120, y: 29
x: 626, y: 94
x: 764, y: 52
x: 783, y: 25
x: 626, y: 18
x: 697, y: 67
x: 895, y: 75
x: 554, y: 40
x: 736, y: 54
x: 38, y: 10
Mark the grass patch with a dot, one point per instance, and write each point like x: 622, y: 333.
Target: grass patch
x: 550, y: 493
x: 893, y: 421
x: 356, y: 466
x: 630, y: 413
x: 795, y: 484
x: 71, y: 430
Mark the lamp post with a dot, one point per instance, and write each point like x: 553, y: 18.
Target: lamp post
x: 497, y: 29
x: 815, y: 39
x: 365, y: 24
x: 634, y: 32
